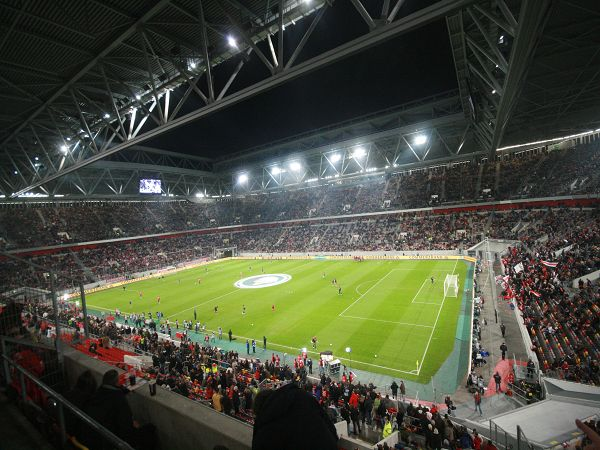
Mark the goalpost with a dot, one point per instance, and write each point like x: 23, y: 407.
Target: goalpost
x: 451, y: 286
x: 225, y: 252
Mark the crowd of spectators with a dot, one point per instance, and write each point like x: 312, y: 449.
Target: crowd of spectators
x: 409, y: 231
x: 563, y: 320
x: 517, y: 175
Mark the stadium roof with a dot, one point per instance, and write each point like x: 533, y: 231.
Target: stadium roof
x: 89, y: 79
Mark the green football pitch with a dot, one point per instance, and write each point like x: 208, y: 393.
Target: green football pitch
x: 394, y: 319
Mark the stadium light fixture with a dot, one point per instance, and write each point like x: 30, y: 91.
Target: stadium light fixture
x: 275, y: 171
x: 106, y: 115
x: 295, y: 166
x: 493, y: 91
x: 36, y: 158
x: 192, y: 65
x: 138, y: 97
x: 242, y: 178
x: 420, y: 139
x: 16, y: 173
x: 231, y: 41
x: 335, y: 157
x: 64, y: 149
x: 200, y: 195
x: 359, y: 152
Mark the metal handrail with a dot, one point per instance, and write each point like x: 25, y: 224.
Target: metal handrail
x: 62, y: 402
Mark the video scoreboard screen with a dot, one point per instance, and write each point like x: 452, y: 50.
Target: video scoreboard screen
x: 149, y: 186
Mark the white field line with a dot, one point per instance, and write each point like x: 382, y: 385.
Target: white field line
x: 366, y: 292
x: 434, y: 325
x: 412, y: 372
x: 387, y: 321
x: 360, y: 284
x: 100, y: 307
x: 420, y: 289
x: 203, y: 303
x: 224, y: 295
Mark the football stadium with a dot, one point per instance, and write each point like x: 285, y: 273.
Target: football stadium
x: 299, y: 224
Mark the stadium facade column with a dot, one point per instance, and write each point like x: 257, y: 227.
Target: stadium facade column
x: 86, y: 330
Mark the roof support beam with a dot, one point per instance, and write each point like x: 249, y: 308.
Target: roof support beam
x: 532, y: 19
x: 374, y: 37
x: 84, y: 70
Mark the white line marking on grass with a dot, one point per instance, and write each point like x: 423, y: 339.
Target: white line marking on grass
x: 203, y: 303
x: 360, y: 284
x: 100, y: 307
x: 434, y: 325
x: 220, y: 296
x: 366, y: 292
x: 387, y: 321
x: 419, y: 291
x: 298, y: 349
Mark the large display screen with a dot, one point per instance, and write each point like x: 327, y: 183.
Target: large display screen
x: 148, y: 186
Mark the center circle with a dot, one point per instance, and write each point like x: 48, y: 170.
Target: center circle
x: 263, y: 281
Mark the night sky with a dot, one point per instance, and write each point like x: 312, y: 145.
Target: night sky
x: 404, y: 69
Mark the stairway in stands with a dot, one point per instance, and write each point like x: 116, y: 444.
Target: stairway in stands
x: 88, y: 273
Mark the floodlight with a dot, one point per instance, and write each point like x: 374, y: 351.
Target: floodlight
x: 68, y: 138
x: 295, y: 166
x: 106, y: 115
x: 200, y: 194
x: 275, y: 171
x: 359, y: 152
x: 231, y: 41
x: 192, y: 64
x: 335, y: 157
x: 16, y: 173
x: 64, y: 149
x: 36, y: 158
x: 242, y: 178
x: 493, y: 91
x: 420, y: 139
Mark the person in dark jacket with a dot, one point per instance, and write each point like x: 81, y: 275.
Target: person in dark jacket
x: 110, y: 408
x: 80, y: 395
x: 291, y: 419
x: 355, y: 416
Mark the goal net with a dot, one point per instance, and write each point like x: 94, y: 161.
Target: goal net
x: 225, y: 252
x: 451, y: 286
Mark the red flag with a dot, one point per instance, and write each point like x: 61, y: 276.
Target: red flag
x: 536, y: 293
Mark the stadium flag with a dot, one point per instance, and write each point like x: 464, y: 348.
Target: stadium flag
x: 549, y: 264
x: 519, y: 267
x: 536, y: 293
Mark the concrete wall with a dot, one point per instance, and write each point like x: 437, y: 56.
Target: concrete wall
x: 593, y: 276
x: 181, y: 423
